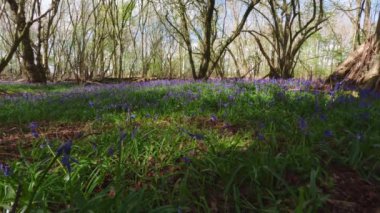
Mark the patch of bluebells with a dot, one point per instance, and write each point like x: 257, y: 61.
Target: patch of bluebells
x: 94, y: 93
x: 364, y: 105
x: 120, y: 106
x: 5, y: 169
x: 366, y: 93
x: 33, y: 128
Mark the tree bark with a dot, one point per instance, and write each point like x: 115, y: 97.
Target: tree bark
x: 362, y: 67
x: 35, y: 75
x: 204, y: 67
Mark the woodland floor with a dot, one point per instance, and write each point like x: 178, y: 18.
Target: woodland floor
x: 183, y: 146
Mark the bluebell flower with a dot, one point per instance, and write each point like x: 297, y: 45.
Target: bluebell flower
x: 359, y: 136
x: 280, y: 96
x: 196, y: 136
x: 186, y: 160
x: 33, y: 128
x: 65, y: 150
x: 33, y: 125
x: 328, y: 134
x: 363, y: 104
x: 193, y: 135
x: 134, y: 132
x: 110, y: 151
x: 123, y: 135
x: 93, y: 145
x: 213, y: 118
x: 302, y: 125
x: 125, y: 107
x: 91, y: 104
x: 5, y: 169
x: 260, y: 137
x: 66, y: 161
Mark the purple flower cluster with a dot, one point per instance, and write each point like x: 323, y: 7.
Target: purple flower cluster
x: 64, y: 151
x: 33, y: 128
x: 5, y: 169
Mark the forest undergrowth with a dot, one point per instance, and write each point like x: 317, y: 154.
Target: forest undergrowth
x: 185, y: 146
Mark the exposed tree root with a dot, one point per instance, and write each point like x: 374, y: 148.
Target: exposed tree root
x: 361, y: 68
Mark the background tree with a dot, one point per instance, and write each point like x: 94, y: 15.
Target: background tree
x: 100, y: 39
x: 288, y: 29
x: 196, y: 28
x: 22, y: 37
x: 359, y: 12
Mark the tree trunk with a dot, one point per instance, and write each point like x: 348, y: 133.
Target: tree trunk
x: 357, y: 36
x: 362, y: 67
x: 367, y: 19
x: 204, y: 67
x: 35, y: 75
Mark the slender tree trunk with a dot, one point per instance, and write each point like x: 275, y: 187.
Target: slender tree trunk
x: 204, y: 67
x: 367, y: 19
x: 357, y: 38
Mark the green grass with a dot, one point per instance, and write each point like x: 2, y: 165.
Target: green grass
x: 17, y: 88
x: 240, y: 162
